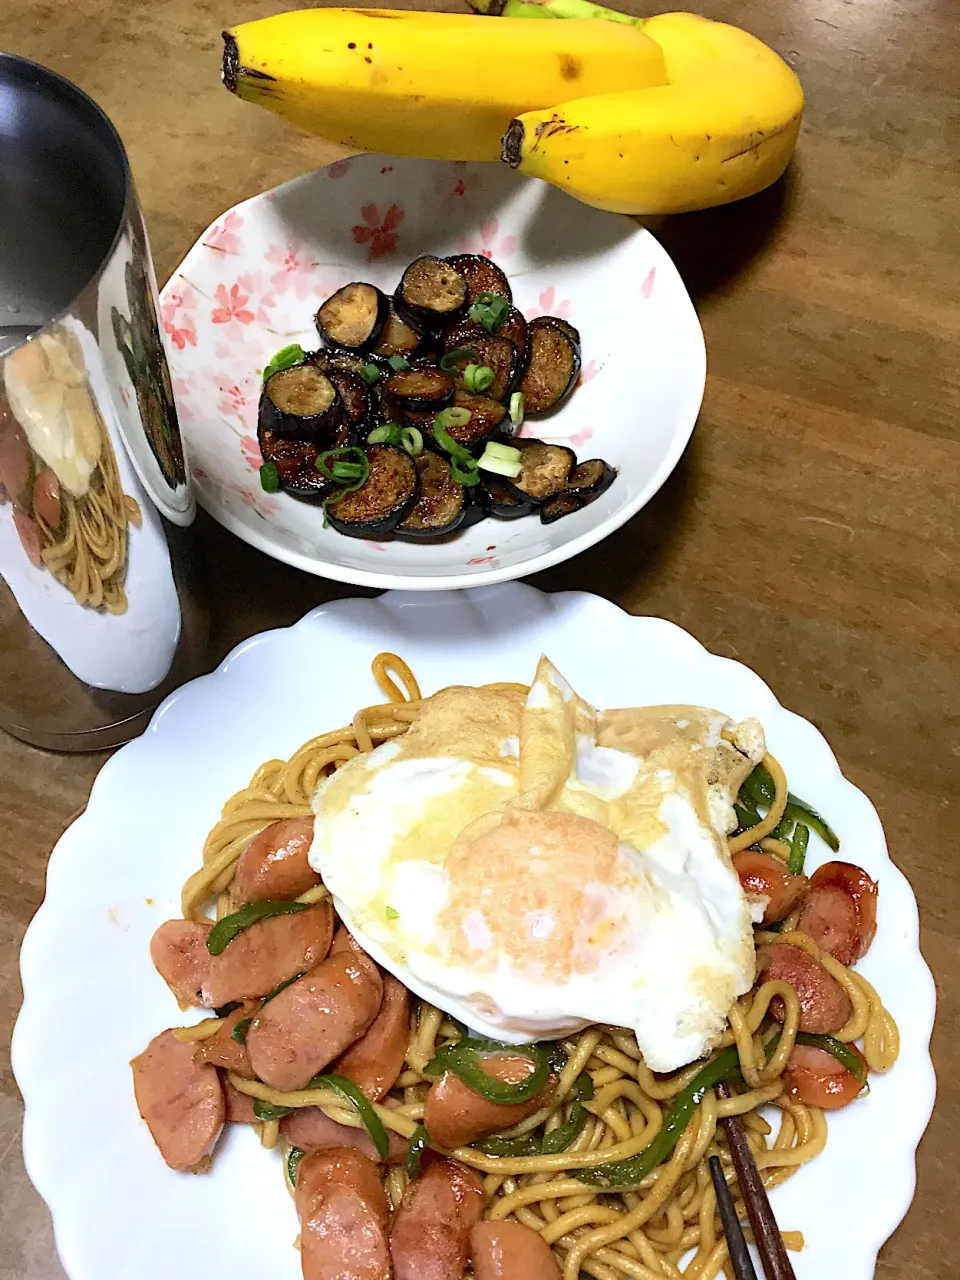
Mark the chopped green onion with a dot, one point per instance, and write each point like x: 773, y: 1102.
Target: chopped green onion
x: 346, y: 470
x: 418, y: 1144
x: 842, y: 1052
x: 505, y: 452
x: 269, y: 477
x: 240, y: 1029
x: 388, y: 433
x: 225, y: 930
x: 457, y: 417
x: 343, y: 454
x: 370, y: 372
x: 499, y: 466
x: 284, y: 358
x: 392, y: 913
x: 516, y: 408
x: 489, y: 311
x: 412, y: 441
x: 465, y: 472
x: 267, y: 1111
x: 294, y: 1156
x: 452, y: 358
x: 463, y: 1058
x: 399, y: 364
x: 350, y: 1093
x: 287, y: 982
x: 798, y: 850
x: 631, y: 1172
x: 477, y: 378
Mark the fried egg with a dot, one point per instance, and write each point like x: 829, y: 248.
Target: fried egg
x: 531, y: 865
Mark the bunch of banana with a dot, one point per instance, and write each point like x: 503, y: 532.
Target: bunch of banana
x: 655, y: 115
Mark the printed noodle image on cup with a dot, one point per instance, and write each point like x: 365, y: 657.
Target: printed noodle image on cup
x: 58, y: 466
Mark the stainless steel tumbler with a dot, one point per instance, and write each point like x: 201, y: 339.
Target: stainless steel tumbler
x: 100, y: 610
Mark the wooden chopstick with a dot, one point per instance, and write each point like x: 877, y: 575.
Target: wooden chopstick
x: 766, y: 1233
x: 736, y: 1243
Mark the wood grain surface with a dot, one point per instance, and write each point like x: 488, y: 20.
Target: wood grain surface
x: 811, y: 531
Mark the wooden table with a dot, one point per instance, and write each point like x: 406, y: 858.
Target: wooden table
x: 811, y: 531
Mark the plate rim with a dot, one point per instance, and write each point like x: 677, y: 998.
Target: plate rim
x: 254, y: 537
x: 924, y: 993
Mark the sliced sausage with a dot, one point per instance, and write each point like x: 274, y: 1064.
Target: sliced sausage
x: 222, y: 1050
x: 376, y: 1060
x: 763, y: 876
x: 455, y: 1116
x: 314, y: 1020
x: 15, y: 463
x: 310, y: 1129
x: 841, y: 912
x: 274, y: 865
x: 46, y: 497
x: 30, y: 535
x: 343, y: 1217
x: 430, y: 1239
x: 180, y: 1099
x: 343, y: 940
x: 509, y: 1251
x: 824, y: 1005
x: 239, y: 1105
x: 251, y: 966
x: 815, y: 1078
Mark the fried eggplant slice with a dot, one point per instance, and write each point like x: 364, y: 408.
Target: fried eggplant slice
x: 498, y: 354
x: 442, y: 503
x: 544, y: 470
x: 295, y: 461
x: 301, y: 403
x: 591, y: 478
x: 482, y: 276
x: 552, y: 370
x: 354, y: 317
x: 432, y: 292
x: 423, y: 388
x: 400, y: 336
x: 564, y: 504
x: 502, y: 502
x: 383, y: 500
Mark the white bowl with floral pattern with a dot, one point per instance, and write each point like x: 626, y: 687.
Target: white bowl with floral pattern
x: 253, y: 282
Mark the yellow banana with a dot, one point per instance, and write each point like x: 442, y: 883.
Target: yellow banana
x: 438, y: 85
x: 724, y: 127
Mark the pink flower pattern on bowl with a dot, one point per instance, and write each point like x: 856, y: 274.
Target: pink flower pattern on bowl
x: 252, y: 285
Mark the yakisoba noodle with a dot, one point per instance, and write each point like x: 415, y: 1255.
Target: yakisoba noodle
x: 642, y: 1232
x: 87, y: 551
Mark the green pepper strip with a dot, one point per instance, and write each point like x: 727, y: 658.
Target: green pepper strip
x: 240, y: 1029
x: 799, y: 811
x: 418, y: 1144
x: 463, y: 1058
x: 760, y: 786
x: 557, y: 1140
x: 267, y: 1111
x: 798, y: 850
x: 294, y: 1156
x: 631, y: 1172
x: 829, y: 1044
x: 225, y: 930
x: 747, y: 815
x: 350, y: 1093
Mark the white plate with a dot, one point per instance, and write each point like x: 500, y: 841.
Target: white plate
x: 252, y: 284
x: 92, y: 999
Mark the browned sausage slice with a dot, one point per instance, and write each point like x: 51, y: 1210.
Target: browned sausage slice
x: 817, y: 1079
x: 311, y: 1022
x: 251, y: 966
x: 763, y: 876
x: 311, y: 1130
x: 239, y: 1105
x: 181, y: 1101
x: 179, y: 952
x: 509, y: 1251
x: 431, y: 1233
x: 221, y: 1050
x: 841, y: 914
x: 376, y: 1060
x: 454, y: 1115
x: 824, y: 1005
x: 343, y: 1217
x: 274, y: 865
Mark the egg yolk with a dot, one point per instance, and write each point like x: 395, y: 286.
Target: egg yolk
x: 541, y: 891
